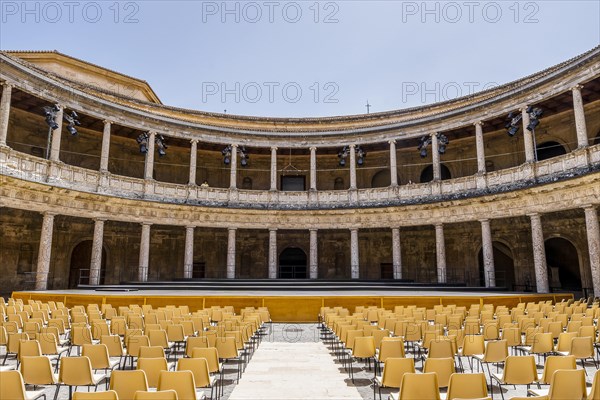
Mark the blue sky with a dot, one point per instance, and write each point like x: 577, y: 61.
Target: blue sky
x: 308, y: 58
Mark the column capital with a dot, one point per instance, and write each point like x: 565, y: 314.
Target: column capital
x: 312, y: 148
x: 146, y: 223
x: 438, y: 225
x: 523, y: 107
x: 273, y: 148
x: 272, y: 229
x: 234, y: 145
x: 194, y: 141
x: 107, y: 122
x: 313, y: 230
x: 478, y: 123
x: 353, y: 229
x: 589, y: 206
x: 392, y: 141
x: 484, y: 220
x: 534, y: 215
x: 232, y: 229
x: 6, y: 84
x: 190, y: 226
x: 99, y: 219
x: 352, y: 145
x: 49, y: 213
x: 577, y: 87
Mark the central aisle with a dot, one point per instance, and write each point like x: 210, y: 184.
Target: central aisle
x: 280, y: 370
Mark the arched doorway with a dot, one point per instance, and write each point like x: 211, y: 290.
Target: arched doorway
x: 504, y: 266
x: 80, y: 259
x: 427, y: 174
x: 292, y: 264
x: 562, y: 260
x: 550, y: 149
x: 381, y: 179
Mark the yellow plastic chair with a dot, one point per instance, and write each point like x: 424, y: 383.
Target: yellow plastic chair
x: 106, y: 395
x: 554, y: 363
x: 133, y: 346
x: 418, y: 387
x: 443, y: 367
x: 212, y: 357
x: 99, y: 357
x: 582, y: 348
x: 566, y: 384
x: 518, y: 370
x: 115, y: 347
x: 198, y: 367
x: 180, y: 381
x: 467, y: 386
x: 152, y: 367
x: 126, y: 383
x: 563, y: 347
x: 13, y: 388
x: 13, y: 344
x: 77, y: 371
x: 595, y: 389
x: 38, y: 371
x: 394, y: 369
x: 496, y: 352
x: 472, y: 345
x: 162, y: 395
x: 390, y: 347
x: 227, y: 350
x: 363, y: 348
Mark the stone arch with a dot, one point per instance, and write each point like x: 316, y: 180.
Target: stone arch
x: 427, y: 173
x: 562, y: 259
x: 338, y: 184
x: 504, y: 265
x: 549, y: 149
x: 293, y: 263
x: 381, y: 179
x: 81, y: 255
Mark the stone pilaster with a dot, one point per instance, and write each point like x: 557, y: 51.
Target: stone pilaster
x: 435, y: 157
x: 188, y: 256
x: 313, y: 168
x: 593, y: 238
x: 144, y: 253
x: 539, y: 254
x: 580, y: 126
x: 97, y: 243
x: 149, y: 165
x: 352, y: 166
x: 273, y: 253
x: 5, y: 112
x: 233, y: 165
x: 354, y: 256
x: 528, y: 138
x: 44, y: 252
x: 396, y: 254
x: 393, y: 164
x: 105, y: 146
x: 314, y: 255
x: 231, y: 253
x: 489, y: 271
x: 440, y: 250
x: 193, y: 161
x: 273, y: 168
x: 57, y: 136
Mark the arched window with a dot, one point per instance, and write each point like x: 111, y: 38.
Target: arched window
x: 247, y: 183
x: 381, y: 179
x: 550, y: 149
x: 427, y: 174
x: 338, y: 184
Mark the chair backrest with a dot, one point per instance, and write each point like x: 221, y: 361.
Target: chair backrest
x: 158, y: 338
x: 29, y: 348
x: 152, y: 367
x: 113, y: 344
x: 473, y: 344
x: 193, y: 342
x: 441, y: 348
x: 180, y: 381
x: 126, y: 383
x: 554, y: 363
x: 564, y: 341
x: 199, y: 367
x: 419, y: 386
x: 595, y: 389
x: 568, y: 384
x: 443, y: 367
x: 226, y: 347
x: 364, y: 347
x: 98, y: 355
x: 134, y: 343
x: 520, y: 370
x: 81, y: 335
x: 394, y: 369
x: 162, y: 395
x: 175, y: 333
x: 467, y: 386
x: 211, y: 355
x: 105, y: 395
x: 12, y: 386
x: 542, y: 343
x: 37, y: 371
x: 151, y: 352
x: 76, y: 371
x: 496, y: 351
x: 391, y: 347
x: 582, y: 347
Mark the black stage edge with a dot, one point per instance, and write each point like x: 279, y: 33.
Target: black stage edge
x: 288, y: 284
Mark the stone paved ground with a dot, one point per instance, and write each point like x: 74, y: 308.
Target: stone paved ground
x: 295, y: 333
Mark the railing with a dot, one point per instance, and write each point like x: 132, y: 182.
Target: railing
x: 31, y: 168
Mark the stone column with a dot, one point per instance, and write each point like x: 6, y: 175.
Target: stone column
x: 272, y: 253
x: 435, y: 157
x: 354, y: 260
x: 314, y: 255
x: 193, y: 161
x: 593, y: 237
x: 396, y: 254
x: 144, y: 253
x: 273, y: 168
x: 233, y: 164
x: 393, y: 164
x: 440, y: 251
x: 231, y: 253
x: 480, y: 147
x: 539, y: 254
x: 489, y: 271
x: 5, y: 112
x: 44, y: 252
x: 528, y: 138
x: 57, y: 136
x: 149, y: 166
x: 105, y: 146
x: 96, y: 261
x: 313, y: 168
x: 188, y: 257
x: 582, y: 137
x: 352, y: 166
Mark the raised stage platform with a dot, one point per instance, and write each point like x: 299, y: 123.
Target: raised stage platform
x: 288, y: 301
